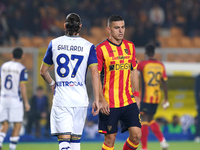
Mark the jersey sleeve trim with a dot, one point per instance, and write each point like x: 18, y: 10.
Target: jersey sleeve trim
x: 24, y: 82
x: 165, y: 78
x: 135, y: 66
x: 94, y: 64
x: 46, y: 64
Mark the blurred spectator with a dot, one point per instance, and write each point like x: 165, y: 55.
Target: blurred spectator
x: 174, y: 127
x: 197, y: 97
x: 157, y: 15
x: 186, y: 121
x: 193, y: 23
x: 162, y: 123
x: 42, y: 17
x: 39, y: 110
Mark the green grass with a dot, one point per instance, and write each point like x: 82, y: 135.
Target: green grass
x: 184, y: 145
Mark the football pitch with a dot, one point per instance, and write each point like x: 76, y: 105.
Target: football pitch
x: 183, y: 145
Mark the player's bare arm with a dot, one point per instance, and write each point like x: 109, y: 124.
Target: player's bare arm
x: 46, y: 76
x: 104, y: 106
x: 24, y: 96
x: 135, y: 84
x: 95, y: 83
x: 165, y: 103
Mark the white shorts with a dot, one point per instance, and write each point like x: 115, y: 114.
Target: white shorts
x: 67, y: 120
x: 11, y: 114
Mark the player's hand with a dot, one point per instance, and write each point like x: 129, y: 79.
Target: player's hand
x: 53, y: 88
x: 137, y: 99
x: 104, y: 107
x: 95, y: 108
x: 165, y: 104
x: 27, y: 107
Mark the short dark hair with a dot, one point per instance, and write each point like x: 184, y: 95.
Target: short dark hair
x: 114, y: 18
x: 72, y: 24
x: 150, y: 49
x: 17, y: 53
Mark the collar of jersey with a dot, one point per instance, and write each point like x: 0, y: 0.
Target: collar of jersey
x: 74, y: 36
x: 114, y: 43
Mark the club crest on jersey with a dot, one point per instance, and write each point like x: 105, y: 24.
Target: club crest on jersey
x: 126, y: 51
x: 109, y: 128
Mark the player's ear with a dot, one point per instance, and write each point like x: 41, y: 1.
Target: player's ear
x: 65, y: 26
x: 80, y: 25
x: 108, y: 28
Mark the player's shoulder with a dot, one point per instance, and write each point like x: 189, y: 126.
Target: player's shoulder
x: 144, y: 62
x: 86, y: 41
x: 128, y: 42
x: 5, y: 63
x: 58, y: 38
x: 101, y: 43
x: 21, y: 66
x: 159, y: 62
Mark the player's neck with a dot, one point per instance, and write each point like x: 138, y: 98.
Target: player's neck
x: 151, y: 58
x: 74, y: 35
x: 16, y: 60
x: 115, y: 41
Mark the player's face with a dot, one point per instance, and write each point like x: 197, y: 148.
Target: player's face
x: 116, y: 30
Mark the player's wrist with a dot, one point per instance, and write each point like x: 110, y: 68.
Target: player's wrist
x: 52, y: 83
x: 136, y: 93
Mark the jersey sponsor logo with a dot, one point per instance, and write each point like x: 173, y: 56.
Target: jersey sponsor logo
x: 120, y: 57
x: 122, y: 66
x: 70, y: 48
x: 69, y: 83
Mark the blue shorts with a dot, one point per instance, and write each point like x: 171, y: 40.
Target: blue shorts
x: 146, y: 108
x: 128, y: 116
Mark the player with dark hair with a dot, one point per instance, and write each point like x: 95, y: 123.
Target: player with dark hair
x: 71, y: 56
x: 13, y: 85
x: 116, y: 58
x: 152, y: 74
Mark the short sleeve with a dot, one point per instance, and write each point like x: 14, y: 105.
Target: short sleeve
x: 139, y: 68
x: 164, y: 75
x: 100, y: 59
x: 134, y: 60
x: 24, y: 75
x: 92, y: 59
x: 48, y: 56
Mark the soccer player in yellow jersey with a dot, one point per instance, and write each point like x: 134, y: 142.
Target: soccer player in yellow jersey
x: 152, y: 74
x: 116, y: 58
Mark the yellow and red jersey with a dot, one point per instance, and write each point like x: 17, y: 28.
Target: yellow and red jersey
x: 117, y: 61
x: 152, y: 73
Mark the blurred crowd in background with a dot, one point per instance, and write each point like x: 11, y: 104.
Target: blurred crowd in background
x: 45, y: 17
